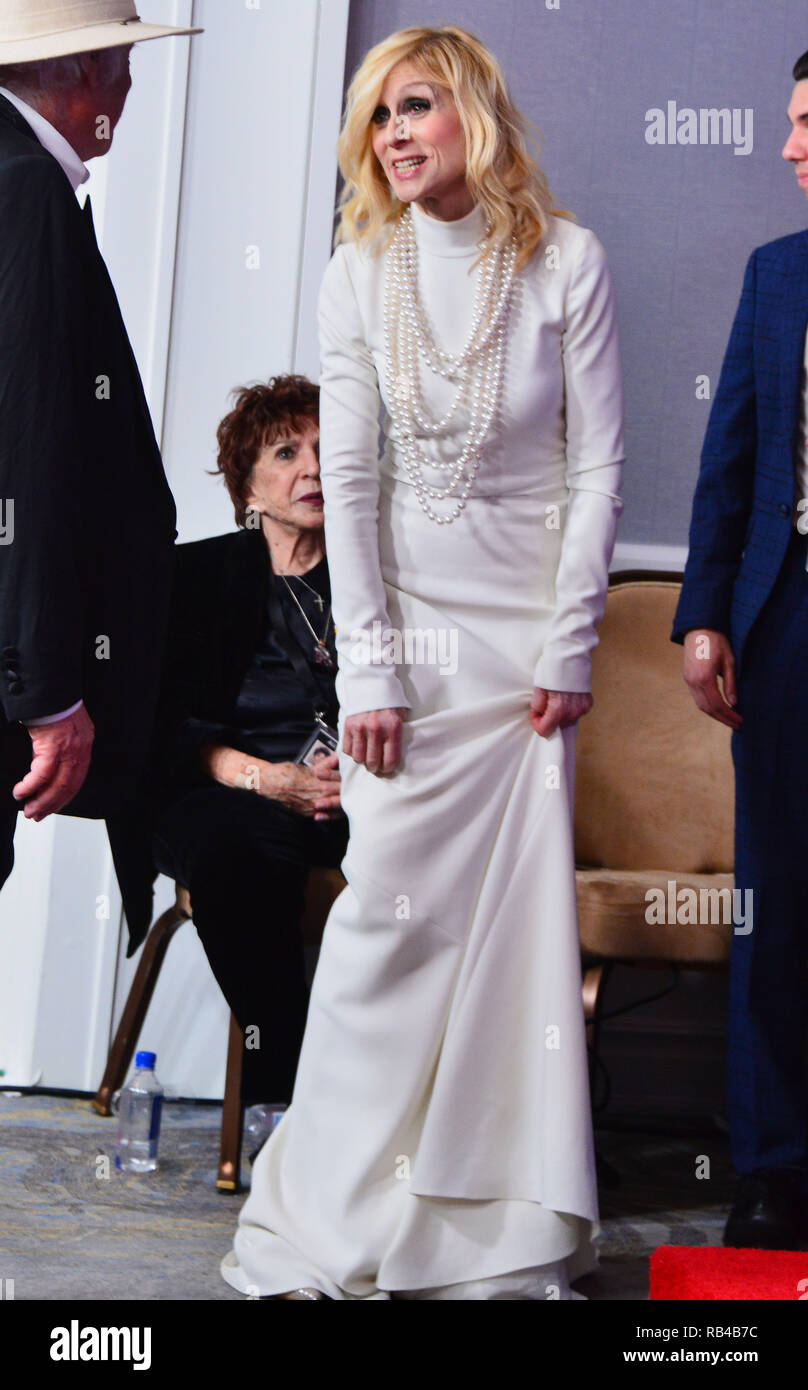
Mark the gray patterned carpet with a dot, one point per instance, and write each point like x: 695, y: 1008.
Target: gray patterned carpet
x: 72, y: 1227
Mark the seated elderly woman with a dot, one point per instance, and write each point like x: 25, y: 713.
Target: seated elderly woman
x: 247, y: 788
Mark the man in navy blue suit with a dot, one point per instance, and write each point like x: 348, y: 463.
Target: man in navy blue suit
x: 743, y: 619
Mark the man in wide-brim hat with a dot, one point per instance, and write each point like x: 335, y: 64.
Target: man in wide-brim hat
x: 87, y: 519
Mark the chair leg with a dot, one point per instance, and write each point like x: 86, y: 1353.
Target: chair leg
x: 594, y: 981
x: 123, y: 1046
x: 229, y: 1177
x: 590, y: 988
x: 595, y: 977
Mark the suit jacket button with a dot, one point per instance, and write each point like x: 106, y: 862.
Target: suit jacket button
x: 15, y: 687
x: 784, y: 509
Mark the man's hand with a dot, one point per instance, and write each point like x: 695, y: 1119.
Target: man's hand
x: 374, y: 738
x: 556, y: 709
x: 61, y: 759
x: 708, y: 655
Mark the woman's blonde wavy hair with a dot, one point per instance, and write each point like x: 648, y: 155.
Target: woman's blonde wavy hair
x: 500, y: 173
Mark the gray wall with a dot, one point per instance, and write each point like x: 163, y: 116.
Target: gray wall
x: 677, y: 220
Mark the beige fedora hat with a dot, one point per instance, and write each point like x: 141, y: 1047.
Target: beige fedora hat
x: 31, y: 30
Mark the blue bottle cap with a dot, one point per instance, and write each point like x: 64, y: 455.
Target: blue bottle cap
x: 145, y: 1059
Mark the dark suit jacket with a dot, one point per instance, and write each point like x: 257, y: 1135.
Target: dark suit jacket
x: 742, y: 509
x: 216, y: 623
x: 85, y: 582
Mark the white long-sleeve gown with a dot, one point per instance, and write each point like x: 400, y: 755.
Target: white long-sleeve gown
x: 440, y: 1126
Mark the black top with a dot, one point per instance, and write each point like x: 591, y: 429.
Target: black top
x: 228, y: 677
x: 218, y: 632
x: 273, y: 714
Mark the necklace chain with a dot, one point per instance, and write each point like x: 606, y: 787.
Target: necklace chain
x: 477, y: 370
x: 318, y: 598
x: 321, y: 652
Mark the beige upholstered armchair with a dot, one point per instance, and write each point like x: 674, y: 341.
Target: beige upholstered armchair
x: 654, y: 806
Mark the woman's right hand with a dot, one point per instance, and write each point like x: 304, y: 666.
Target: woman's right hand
x: 373, y: 738
x: 311, y: 791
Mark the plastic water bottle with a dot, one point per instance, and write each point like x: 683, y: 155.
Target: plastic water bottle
x: 259, y: 1123
x: 139, y: 1111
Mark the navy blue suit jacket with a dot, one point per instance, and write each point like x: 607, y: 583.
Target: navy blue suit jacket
x: 742, y: 509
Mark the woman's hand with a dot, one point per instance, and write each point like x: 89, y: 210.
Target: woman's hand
x: 556, y: 709
x: 374, y: 738
x: 311, y: 791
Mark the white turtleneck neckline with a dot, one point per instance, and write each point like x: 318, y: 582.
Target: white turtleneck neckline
x: 456, y: 238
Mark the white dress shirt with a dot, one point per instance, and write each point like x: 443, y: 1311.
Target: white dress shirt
x: 77, y: 173
x: 49, y: 137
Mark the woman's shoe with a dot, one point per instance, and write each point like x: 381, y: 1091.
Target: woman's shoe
x: 300, y: 1295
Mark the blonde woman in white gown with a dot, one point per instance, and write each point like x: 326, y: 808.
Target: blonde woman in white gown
x: 439, y: 1143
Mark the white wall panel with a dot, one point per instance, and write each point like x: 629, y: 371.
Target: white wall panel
x: 256, y: 131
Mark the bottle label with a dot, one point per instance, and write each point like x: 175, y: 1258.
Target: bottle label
x: 157, y: 1110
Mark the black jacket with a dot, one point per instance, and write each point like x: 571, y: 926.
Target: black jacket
x: 85, y: 583
x: 216, y: 623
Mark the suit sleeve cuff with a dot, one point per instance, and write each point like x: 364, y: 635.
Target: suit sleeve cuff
x: 52, y: 718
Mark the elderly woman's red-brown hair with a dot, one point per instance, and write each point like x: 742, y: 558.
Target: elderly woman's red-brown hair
x: 260, y: 416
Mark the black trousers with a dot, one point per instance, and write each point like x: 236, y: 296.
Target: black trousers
x: 244, y: 860
x: 15, y: 762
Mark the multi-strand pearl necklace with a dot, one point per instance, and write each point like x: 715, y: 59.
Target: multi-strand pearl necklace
x: 478, y: 368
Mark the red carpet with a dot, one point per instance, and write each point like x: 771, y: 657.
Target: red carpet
x: 713, y: 1272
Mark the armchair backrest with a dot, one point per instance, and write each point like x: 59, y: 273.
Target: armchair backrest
x: 654, y: 777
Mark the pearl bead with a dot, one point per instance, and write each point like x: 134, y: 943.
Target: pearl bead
x: 478, y: 369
